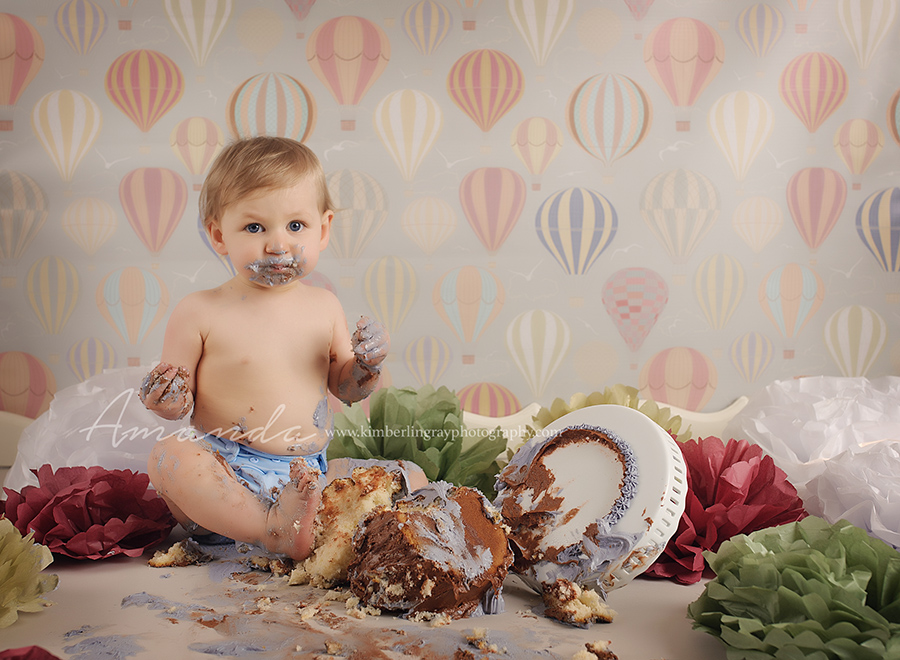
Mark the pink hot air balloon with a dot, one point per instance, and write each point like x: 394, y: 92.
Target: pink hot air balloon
x: 492, y: 199
x: 468, y: 299
x: 485, y: 84
x: 815, y: 198
x: 683, y: 55
x: 858, y: 142
x: 893, y: 116
x: 813, y: 86
x: 789, y: 296
x: 271, y: 104
x: 488, y: 399
x: 154, y: 199
x: 197, y: 141
x: 21, y: 57
x: 300, y: 10
x: 679, y: 376
x: 634, y: 298
x: 27, y: 385
x: 348, y: 54
x: 145, y: 85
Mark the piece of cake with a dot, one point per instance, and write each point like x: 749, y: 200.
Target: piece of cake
x: 181, y: 553
x: 567, y: 602
x: 560, y: 496
x: 598, y: 650
x: 345, y: 502
x: 442, y: 550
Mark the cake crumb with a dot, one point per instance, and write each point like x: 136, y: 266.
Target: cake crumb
x: 277, y: 566
x: 333, y: 648
x: 569, y: 603
x: 478, y: 639
x: 308, y: 612
x: 433, y: 619
x: 182, y: 553
x: 598, y: 650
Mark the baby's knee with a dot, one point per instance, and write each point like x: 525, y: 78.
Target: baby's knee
x: 164, y: 451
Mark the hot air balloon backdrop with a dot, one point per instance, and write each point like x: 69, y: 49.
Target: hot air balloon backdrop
x: 488, y: 399
x: 858, y: 142
x: 536, y: 195
x: 683, y: 55
x: 348, y: 54
x: 429, y: 221
x: 144, y: 85
x: 27, y: 384
x: 538, y: 341
x: 427, y: 23
x: 199, y: 24
x: 67, y: 124
x: 90, y: 357
x: 680, y: 376
x: 271, y: 104
x: 52, y: 285
x: 576, y: 226
x: 855, y: 335
x: 81, y: 23
x: 492, y: 199
x: 154, y: 199
x: 427, y: 359
x: 133, y: 301
x: 634, y: 298
x: 408, y: 123
x: 197, y: 141
x: 537, y: 142
x: 90, y: 222
x: 23, y: 211
x: 815, y: 198
x: 790, y: 295
x: 608, y: 115
x: 21, y: 57
x: 468, y: 299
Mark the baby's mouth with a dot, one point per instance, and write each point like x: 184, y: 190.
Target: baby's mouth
x: 273, y: 271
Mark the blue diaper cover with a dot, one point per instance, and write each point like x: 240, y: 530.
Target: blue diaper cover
x: 262, y: 473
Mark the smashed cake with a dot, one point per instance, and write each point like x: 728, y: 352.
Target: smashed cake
x: 442, y: 550
x: 345, y: 502
x: 567, y: 602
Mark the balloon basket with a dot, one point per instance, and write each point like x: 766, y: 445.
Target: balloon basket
x: 124, y: 24
x: 789, y: 354
x: 6, y: 124
x: 679, y: 279
x: 856, y: 186
x: 427, y: 72
x: 576, y: 301
x: 134, y: 362
x: 468, y: 25
x: 8, y: 282
x: 348, y: 124
x: 53, y: 358
x: 800, y: 28
x: 485, y: 149
x: 683, y: 125
x: 892, y: 298
x: 198, y: 187
x: 638, y: 36
x: 84, y: 73
x: 347, y: 282
x: 468, y: 359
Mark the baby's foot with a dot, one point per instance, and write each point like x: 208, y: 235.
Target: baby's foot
x: 290, y: 520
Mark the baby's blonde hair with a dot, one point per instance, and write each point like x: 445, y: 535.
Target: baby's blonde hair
x: 259, y: 163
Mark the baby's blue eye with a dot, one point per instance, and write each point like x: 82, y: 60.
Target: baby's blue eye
x: 296, y: 225
x: 253, y: 228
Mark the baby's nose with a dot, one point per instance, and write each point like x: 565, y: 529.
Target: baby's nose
x: 276, y: 247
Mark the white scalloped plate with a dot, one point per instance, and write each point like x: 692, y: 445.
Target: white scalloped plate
x: 659, y: 499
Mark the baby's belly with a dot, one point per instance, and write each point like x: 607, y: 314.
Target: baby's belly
x: 299, y: 427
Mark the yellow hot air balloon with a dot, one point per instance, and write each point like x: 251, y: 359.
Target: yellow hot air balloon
x: 259, y: 30
x: 90, y: 357
x: 408, y: 123
x: 855, y: 336
x: 390, y: 287
x: 199, y: 23
x: 540, y: 23
x: 741, y: 123
x: 363, y: 208
x: 536, y: 141
x: 719, y: 285
x: 428, y: 221
x: 858, y: 142
x: 52, y: 285
x: 756, y: 220
x: 90, y: 222
x: 538, y: 341
x: 866, y: 23
x: 67, y: 124
x: 197, y: 141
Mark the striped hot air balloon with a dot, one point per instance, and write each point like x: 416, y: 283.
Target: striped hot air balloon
x: 488, y: 399
x: 855, y: 335
x: 719, y: 285
x: 67, y: 124
x: 680, y: 376
x: 52, y: 285
x: 751, y: 353
x: 576, y: 225
x: 468, y: 299
x: 492, y: 199
x: 485, y: 84
x: 81, y: 23
x: 408, y: 122
x: 144, y: 85
x: 271, y: 104
x: 878, y: 226
x: 427, y: 359
x: 813, y: 85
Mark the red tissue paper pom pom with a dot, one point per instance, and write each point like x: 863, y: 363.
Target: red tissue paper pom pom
x: 28, y: 653
x: 733, y: 488
x: 90, y: 512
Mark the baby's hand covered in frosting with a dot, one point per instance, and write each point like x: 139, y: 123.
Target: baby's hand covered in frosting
x: 165, y: 391
x: 371, y: 343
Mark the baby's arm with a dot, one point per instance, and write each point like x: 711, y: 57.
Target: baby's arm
x: 168, y: 390
x: 358, y: 372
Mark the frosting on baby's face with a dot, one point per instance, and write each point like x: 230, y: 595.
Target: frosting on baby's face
x: 274, y: 237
